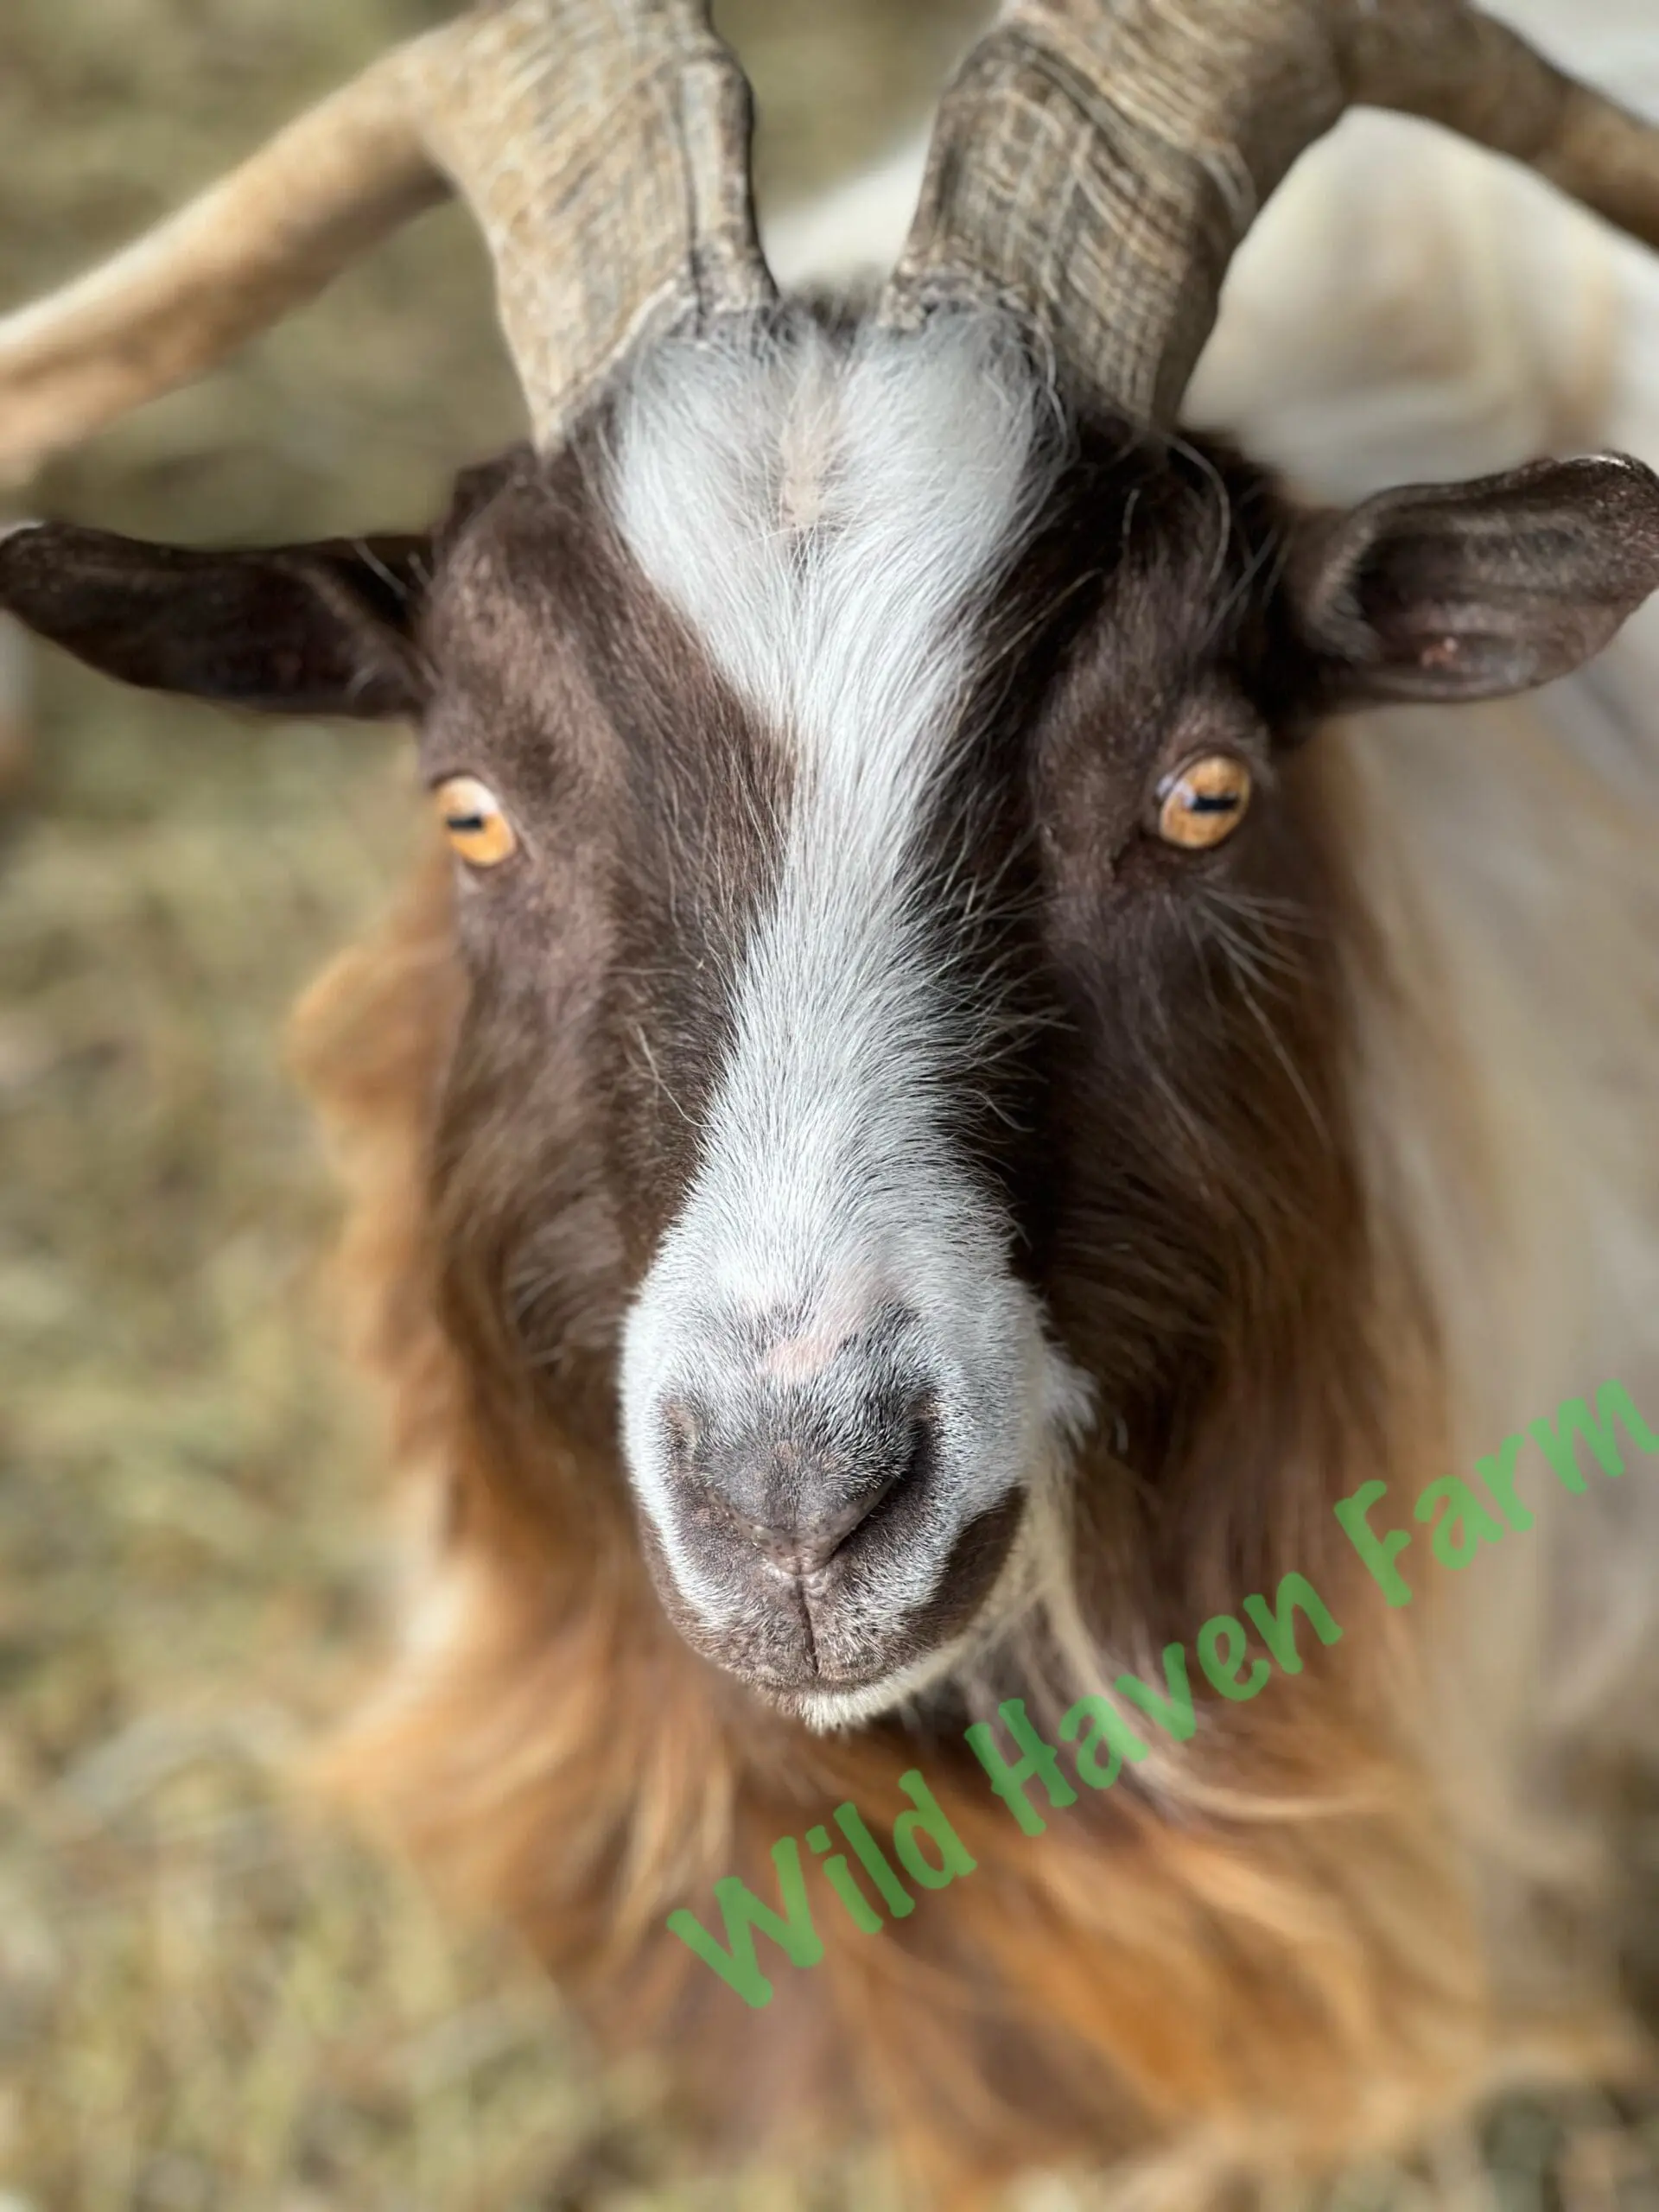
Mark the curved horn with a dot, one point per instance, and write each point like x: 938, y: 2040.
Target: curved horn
x: 602, y: 144
x: 1098, y: 163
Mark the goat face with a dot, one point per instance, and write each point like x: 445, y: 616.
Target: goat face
x: 902, y: 1026
x: 831, y: 689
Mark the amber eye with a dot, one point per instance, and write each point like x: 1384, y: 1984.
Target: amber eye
x: 1204, y: 801
x: 473, y: 820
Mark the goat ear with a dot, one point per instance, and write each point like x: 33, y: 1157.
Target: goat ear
x: 322, y: 629
x: 1470, y: 591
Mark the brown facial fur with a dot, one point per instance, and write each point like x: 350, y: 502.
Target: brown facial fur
x: 1175, y: 1139
x: 1141, y: 1969
x: 1167, y: 1134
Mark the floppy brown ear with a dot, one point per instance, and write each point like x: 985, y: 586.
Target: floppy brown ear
x: 1470, y: 591
x: 323, y: 629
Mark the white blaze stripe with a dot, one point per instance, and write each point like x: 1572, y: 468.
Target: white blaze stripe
x: 826, y: 514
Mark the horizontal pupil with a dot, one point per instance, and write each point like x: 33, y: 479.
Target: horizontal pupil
x: 1201, y: 803
x: 463, y: 824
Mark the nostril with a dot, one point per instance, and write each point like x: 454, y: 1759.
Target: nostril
x: 683, y: 1430
x: 920, y: 1435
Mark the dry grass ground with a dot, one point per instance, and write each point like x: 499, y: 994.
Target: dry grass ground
x: 210, y: 2000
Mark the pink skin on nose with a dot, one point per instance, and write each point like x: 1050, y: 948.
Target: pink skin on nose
x: 798, y: 1358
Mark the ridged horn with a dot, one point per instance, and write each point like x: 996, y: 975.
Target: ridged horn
x: 1098, y: 163
x: 603, y: 146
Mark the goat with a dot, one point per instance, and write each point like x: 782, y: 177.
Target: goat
x: 932, y: 1120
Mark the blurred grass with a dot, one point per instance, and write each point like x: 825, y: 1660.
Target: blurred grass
x: 211, y: 2000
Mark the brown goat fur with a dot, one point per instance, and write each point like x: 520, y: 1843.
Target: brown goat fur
x: 1254, y: 1953
x: 1263, y: 1953
x: 1276, y: 1957
x: 878, y: 1190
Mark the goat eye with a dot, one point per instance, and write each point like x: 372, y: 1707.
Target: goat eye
x: 1204, y: 801
x: 473, y: 822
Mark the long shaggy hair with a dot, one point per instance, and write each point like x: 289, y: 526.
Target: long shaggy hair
x: 1388, y: 1882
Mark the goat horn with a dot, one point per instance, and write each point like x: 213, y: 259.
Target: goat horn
x: 1098, y: 163
x: 602, y: 144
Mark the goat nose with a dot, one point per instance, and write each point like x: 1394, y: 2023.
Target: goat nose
x: 806, y: 1549
x: 792, y: 1479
